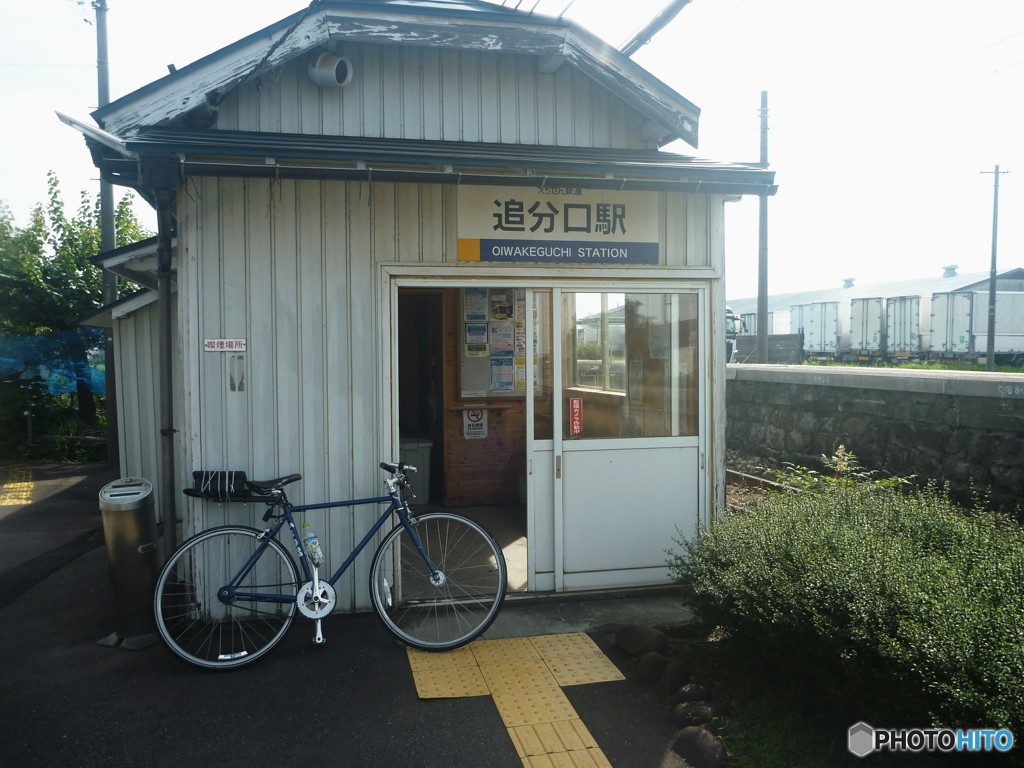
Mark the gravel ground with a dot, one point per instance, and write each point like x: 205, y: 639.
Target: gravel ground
x: 738, y: 494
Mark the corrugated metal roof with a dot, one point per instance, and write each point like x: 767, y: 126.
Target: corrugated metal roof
x: 136, y: 262
x: 252, y: 154
x: 456, y: 24
x: 922, y: 286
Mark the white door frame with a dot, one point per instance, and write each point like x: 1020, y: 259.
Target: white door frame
x: 395, y: 276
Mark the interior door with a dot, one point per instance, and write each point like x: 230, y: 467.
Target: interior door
x: 627, y: 449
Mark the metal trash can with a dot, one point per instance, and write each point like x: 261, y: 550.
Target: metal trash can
x: 129, y: 528
x: 416, y: 451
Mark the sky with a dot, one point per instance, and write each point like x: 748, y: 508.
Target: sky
x: 886, y: 118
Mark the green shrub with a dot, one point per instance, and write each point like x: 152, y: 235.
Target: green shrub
x: 882, y: 588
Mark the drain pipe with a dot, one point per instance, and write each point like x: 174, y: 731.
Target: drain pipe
x: 164, y: 201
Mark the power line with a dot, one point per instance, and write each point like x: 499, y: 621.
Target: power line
x: 986, y: 47
x: 979, y: 79
x: 51, y: 66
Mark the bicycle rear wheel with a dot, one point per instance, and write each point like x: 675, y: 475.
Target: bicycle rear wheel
x: 446, y: 610
x: 214, y: 616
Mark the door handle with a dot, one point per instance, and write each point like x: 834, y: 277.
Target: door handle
x: 558, y: 467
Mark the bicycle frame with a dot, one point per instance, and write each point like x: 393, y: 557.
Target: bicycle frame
x: 229, y: 594
x: 395, y: 506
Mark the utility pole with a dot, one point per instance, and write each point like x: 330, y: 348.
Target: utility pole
x: 990, y: 359
x: 643, y: 35
x: 762, y: 245
x: 108, y: 236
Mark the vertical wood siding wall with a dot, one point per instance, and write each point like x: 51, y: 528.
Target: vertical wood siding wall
x: 292, y: 267
x: 409, y: 92
x: 136, y: 361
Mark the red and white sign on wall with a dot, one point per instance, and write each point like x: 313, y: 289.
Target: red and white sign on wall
x: 474, y: 424
x: 575, y: 416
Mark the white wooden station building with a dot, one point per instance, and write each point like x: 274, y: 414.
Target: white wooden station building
x: 438, y: 231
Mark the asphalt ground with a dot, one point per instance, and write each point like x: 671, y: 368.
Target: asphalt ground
x: 67, y: 700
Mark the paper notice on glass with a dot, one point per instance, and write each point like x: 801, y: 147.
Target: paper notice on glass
x: 476, y: 340
x: 502, y: 374
x: 502, y: 307
x: 474, y: 304
x: 502, y: 337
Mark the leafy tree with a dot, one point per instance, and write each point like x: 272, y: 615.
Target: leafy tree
x: 49, y: 284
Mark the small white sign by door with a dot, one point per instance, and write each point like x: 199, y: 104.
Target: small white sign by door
x: 224, y: 345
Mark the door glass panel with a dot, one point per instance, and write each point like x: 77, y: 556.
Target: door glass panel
x: 543, y: 373
x: 629, y: 365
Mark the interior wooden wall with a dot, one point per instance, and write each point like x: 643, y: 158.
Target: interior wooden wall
x: 478, y: 471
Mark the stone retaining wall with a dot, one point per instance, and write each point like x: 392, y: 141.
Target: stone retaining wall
x: 966, y: 429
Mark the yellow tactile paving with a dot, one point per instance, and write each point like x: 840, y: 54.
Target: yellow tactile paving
x: 524, y: 677
x: 455, y: 683
x: 505, y: 649
x: 545, y: 738
x: 534, y: 704
x: 578, y: 670
x: 588, y: 758
x: 460, y: 657
x: 517, y: 674
x: 573, y: 643
x: 575, y: 659
x: 17, y: 491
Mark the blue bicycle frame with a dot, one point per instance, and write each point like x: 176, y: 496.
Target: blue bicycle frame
x: 396, y: 506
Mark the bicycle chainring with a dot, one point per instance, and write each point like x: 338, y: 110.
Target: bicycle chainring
x: 316, y: 606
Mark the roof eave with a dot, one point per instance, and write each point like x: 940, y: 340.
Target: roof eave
x: 135, y: 262
x: 250, y: 154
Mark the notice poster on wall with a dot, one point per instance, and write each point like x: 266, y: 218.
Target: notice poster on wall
x: 474, y: 302
x: 494, y: 348
x: 502, y: 374
x: 501, y: 306
x: 493, y: 355
x: 502, y: 337
x: 476, y: 340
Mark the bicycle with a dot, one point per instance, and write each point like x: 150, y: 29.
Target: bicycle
x: 229, y: 594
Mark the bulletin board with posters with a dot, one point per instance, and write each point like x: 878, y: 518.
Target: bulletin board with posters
x: 492, y: 342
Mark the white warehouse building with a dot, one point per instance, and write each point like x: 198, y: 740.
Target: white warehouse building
x: 939, y: 317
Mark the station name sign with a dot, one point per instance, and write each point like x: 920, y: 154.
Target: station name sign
x: 557, y: 225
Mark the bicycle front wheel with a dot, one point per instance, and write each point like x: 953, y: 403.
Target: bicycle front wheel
x: 450, y: 607
x: 226, y: 597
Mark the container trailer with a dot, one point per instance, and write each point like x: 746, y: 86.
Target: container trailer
x: 778, y: 322
x: 907, y: 326
x: 951, y: 322
x: 867, y: 328
x: 1008, y: 344
x: 819, y: 324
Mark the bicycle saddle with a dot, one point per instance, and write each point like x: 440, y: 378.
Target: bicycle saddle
x: 266, y: 487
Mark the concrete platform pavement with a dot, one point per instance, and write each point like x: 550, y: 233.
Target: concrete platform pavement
x: 65, y: 700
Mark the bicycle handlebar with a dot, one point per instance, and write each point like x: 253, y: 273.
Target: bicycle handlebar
x: 397, y: 468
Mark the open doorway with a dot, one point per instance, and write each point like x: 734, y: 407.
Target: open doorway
x: 470, y: 447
